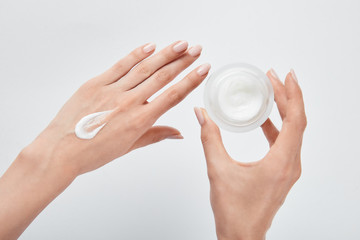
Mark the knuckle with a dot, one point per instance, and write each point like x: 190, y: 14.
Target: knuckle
x: 192, y: 81
x: 87, y: 90
x: 126, y: 101
x: 214, y: 128
x: 117, y: 67
x: 88, y: 86
x: 162, y: 76
x: 297, y: 119
x: 301, y: 122
x: 211, y: 131
x: 174, y: 97
x: 205, y: 138
x: 143, y: 69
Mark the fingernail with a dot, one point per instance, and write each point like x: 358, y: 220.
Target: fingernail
x: 293, y: 75
x: 199, y: 115
x: 180, y: 46
x: 204, y: 69
x: 195, y: 51
x: 273, y: 73
x: 149, y: 47
x: 176, y: 136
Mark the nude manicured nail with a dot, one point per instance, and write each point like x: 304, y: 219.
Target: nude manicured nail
x: 293, y: 75
x: 273, y: 73
x: 199, y: 115
x: 176, y: 136
x: 149, y: 47
x: 195, y: 51
x: 180, y: 46
x: 204, y: 69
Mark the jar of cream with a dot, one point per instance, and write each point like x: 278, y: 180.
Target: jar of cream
x: 239, y: 97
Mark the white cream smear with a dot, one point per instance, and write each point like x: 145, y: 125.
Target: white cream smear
x: 90, y: 125
x: 241, y: 98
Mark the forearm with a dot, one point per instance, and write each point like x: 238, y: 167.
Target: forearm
x: 26, y: 188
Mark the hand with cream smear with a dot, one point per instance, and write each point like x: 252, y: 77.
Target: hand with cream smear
x: 106, y: 118
x: 246, y: 196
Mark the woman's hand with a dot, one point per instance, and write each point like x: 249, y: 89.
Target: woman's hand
x: 54, y: 159
x: 125, y: 87
x: 246, y: 196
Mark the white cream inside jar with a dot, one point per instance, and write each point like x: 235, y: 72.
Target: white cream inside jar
x: 239, y: 97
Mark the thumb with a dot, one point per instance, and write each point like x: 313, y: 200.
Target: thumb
x: 211, y: 138
x: 156, y: 134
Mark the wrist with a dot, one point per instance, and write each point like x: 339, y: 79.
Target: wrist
x: 241, y: 237
x: 240, y: 232
x: 32, y: 181
x: 39, y: 160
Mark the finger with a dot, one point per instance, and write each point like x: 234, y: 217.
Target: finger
x: 270, y: 131
x: 125, y: 64
x: 211, y: 139
x: 166, y: 74
x: 279, y: 92
x: 178, y: 91
x: 294, y: 124
x: 147, y: 67
x: 156, y: 134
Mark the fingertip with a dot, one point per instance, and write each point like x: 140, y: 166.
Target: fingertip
x: 288, y: 77
x: 149, y: 48
x: 296, y: 108
x: 276, y: 83
x: 199, y: 115
x: 169, y: 132
x: 176, y: 136
x: 291, y: 83
x: 207, y: 118
x: 195, y: 51
x: 272, y: 74
x: 203, y: 69
x: 293, y: 75
x: 209, y: 124
x: 204, y: 112
x: 180, y: 46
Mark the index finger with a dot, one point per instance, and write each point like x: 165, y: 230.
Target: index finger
x: 294, y: 124
x: 176, y: 93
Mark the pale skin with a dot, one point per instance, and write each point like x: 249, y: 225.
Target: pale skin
x: 56, y: 157
x: 244, y: 197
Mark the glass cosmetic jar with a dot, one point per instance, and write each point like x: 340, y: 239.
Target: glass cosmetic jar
x: 239, y: 97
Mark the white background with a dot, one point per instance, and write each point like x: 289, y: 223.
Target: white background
x: 49, y: 48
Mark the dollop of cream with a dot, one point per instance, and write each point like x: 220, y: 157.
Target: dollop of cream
x: 241, y: 98
x: 90, y: 125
